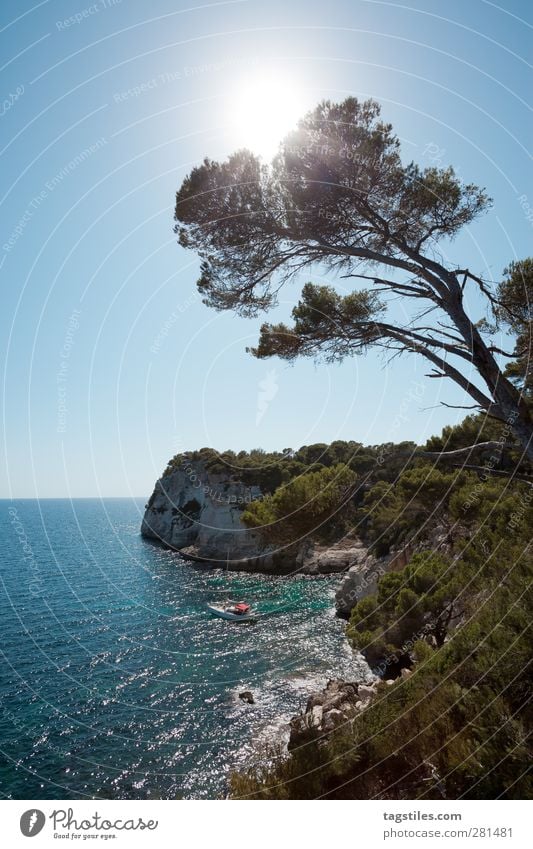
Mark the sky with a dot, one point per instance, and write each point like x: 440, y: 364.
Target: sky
x: 110, y: 362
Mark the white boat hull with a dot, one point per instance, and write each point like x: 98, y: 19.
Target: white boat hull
x: 222, y: 613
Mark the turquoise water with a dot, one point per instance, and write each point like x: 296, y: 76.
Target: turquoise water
x: 116, y: 683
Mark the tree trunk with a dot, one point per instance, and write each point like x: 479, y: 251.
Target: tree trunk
x: 510, y: 406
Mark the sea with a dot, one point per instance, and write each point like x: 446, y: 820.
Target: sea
x: 115, y: 681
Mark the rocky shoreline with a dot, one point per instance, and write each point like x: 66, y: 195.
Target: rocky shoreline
x: 198, y: 513
x: 329, y: 709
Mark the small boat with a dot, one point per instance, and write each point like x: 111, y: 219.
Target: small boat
x: 236, y: 611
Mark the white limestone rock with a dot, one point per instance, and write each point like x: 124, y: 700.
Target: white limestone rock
x: 199, y: 513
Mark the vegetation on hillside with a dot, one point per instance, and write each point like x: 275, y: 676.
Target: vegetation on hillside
x: 313, y: 503
x: 457, y: 726
x: 269, y: 469
x: 458, y: 615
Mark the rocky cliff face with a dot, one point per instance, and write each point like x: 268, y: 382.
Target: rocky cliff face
x: 199, y: 513
x: 332, y: 708
x: 364, y: 569
x: 362, y: 576
x: 329, y: 709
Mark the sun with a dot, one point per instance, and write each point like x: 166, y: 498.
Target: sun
x: 262, y: 111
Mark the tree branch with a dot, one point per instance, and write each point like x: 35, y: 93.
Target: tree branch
x: 498, y: 472
x: 491, y: 445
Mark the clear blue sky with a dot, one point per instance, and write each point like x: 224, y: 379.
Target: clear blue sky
x: 89, y: 260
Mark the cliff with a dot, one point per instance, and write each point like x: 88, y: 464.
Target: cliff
x: 198, y: 512
x: 197, y: 507
x: 362, y: 574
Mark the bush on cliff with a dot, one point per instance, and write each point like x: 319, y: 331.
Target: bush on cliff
x: 424, y: 601
x: 271, y: 469
x: 456, y: 727
x: 308, y: 504
x: 409, y: 507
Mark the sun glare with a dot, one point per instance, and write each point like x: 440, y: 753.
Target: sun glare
x: 262, y: 112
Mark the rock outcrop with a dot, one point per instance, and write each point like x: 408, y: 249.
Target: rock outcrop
x: 329, y: 709
x: 199, y: 513
x: 362, y: 577
x: 318, y: 559
x: 363, y: 573
x: 247, y: 696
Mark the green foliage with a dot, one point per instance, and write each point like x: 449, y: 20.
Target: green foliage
x: 337, y: 183
x: 419, y: 603
x: 457, y: 727
x: 515, y: 311
x: 481, y: 428
x: 473, y: 429
x: 461, y: 617
x: 408, y: 507
x: 493, y: 503
x: 305, y: 505
x: 268, y: 470
x: 339, y: 196
x: 325, y: 323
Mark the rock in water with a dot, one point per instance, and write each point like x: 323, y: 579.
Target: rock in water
x: 247, y: 696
